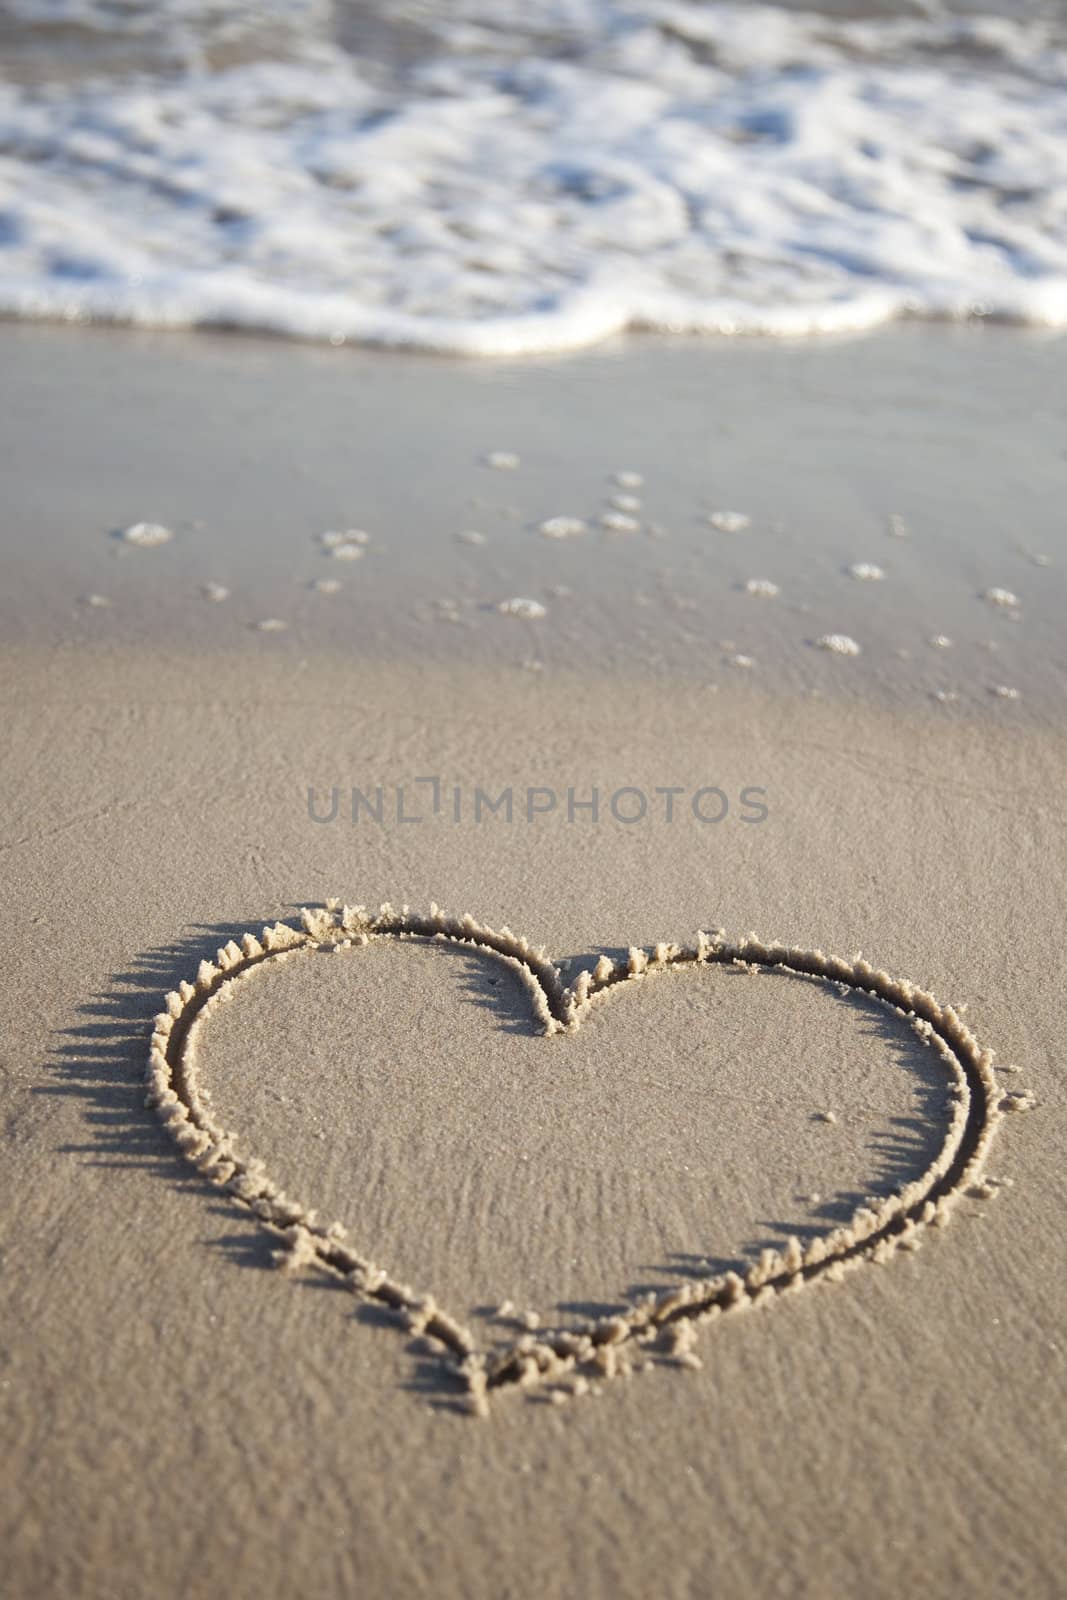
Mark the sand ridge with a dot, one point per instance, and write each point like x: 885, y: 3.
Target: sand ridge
x: 657, y: 1324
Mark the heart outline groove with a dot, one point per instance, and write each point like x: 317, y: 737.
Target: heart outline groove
x: 660, y: 1322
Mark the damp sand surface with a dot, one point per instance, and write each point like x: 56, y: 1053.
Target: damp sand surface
x: 339, y: 493
x: 193, y: 1409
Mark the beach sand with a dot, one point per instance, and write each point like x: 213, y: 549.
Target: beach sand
x: 179, y: 1415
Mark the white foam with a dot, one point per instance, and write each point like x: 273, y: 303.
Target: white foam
x: 344, y: 546
x: 146, y: 534
x: 562, y: 527
x: 348, y: 545
x: 866, y: 572
x: 839, y: 644
x: 529, y: 610
x: 730, y: 521
x: 691, y: 168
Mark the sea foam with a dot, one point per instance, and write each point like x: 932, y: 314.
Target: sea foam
x: 531, y: 183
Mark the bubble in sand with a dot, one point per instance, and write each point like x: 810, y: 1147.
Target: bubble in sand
x: 629, y: 480
x: 146, y: 534
x: 562, y: 527
x: 839, y: 644
x: 897, y: 528
x: 347, y: 552
x: 471, y: 536
x: 271, y: 625
x: 746, y: 663
x: 333, y: 540
x: 1003, y: 692
x: 1002, y: 597
x: 215, y: 591
x: 326, y: 585
x: 502, y: 460
x: 529, y: 610
x: 97, y: 601
x: 866, y: 571
x: 946, y: 696
x: 941, y: 641
x: 619, y: 522
x: 626, y: 502
x: 1041, y: 561
x: 762, y: 587
x: 730, y: 521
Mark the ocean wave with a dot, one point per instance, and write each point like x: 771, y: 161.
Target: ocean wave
x: 501, y: 191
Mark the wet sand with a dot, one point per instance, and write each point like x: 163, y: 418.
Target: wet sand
x: 932, y: 454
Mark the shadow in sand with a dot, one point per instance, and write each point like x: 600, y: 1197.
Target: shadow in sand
x: 904, y: 1146
x: 488, y: 981
x: 901, y: 1150
x: 101, y: 1061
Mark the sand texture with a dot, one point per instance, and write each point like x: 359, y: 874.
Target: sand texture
x: 558, y: 1190
x: 191, y: 1407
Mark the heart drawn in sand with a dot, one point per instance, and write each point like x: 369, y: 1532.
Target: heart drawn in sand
x: 665, y: 1321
